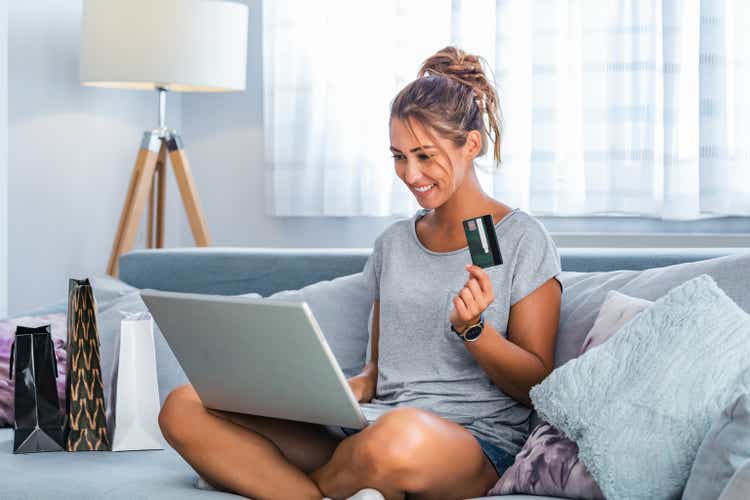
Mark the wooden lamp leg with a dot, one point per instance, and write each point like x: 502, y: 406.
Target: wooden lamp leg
x: 188, y: 191
x: 135, y: 200
x: 161, y: 167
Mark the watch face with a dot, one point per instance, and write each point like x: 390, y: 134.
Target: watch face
x: 473, y: 332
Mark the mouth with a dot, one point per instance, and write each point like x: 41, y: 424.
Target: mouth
x: 424, y: 189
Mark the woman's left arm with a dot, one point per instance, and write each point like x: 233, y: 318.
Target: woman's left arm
x: 526, y: 356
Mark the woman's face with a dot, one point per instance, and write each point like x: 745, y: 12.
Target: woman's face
x: 431, y: 182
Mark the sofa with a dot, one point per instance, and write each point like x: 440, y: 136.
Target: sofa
x: 227, y: 271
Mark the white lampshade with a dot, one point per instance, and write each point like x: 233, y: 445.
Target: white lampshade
x: 182, y: 45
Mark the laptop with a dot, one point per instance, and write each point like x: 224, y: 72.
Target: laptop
x: 257, y: 356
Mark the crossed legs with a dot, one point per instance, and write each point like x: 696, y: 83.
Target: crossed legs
x: 406, y: 451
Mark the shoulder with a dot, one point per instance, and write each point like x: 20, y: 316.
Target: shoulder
x: 397, y: 230
x: 524, y: 227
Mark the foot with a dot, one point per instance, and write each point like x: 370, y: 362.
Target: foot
x: 202, y: 484
x: 365, y: 494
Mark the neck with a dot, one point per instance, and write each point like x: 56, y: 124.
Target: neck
x: 468, y: 201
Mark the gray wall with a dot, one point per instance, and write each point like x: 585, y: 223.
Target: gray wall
x: 70, y: 154
x: 3, y: 159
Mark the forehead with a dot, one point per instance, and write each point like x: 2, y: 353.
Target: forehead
x: 403, y: 139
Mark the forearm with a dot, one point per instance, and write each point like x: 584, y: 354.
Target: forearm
x: 510, y: 367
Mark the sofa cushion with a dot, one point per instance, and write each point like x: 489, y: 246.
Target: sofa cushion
x: 584, y: 293
x: 98, y: 475
x: 639, y: 405
x: 342, y: 308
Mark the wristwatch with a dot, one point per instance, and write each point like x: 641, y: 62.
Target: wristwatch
x: 471, y: 333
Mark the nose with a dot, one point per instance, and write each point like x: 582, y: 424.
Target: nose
x: 412, y: 173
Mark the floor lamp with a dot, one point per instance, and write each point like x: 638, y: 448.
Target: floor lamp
x: 168, y: 45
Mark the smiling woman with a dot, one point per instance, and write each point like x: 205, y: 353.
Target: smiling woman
x: 454, y: 411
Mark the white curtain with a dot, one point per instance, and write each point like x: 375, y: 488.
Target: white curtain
x: 610, y: 107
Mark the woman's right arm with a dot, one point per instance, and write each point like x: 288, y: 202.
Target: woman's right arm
x: 364, y: 384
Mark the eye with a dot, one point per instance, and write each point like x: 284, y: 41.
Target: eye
x: 398, y: 157
x: 424, y: 157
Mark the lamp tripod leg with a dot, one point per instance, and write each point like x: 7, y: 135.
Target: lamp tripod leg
x: 188, y: 191
x: 161, y: 191
x: 135, y: 200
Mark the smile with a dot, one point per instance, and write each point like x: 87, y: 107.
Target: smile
x: 424, y: 189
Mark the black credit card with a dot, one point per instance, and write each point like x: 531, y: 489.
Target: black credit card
x: 482, y: 239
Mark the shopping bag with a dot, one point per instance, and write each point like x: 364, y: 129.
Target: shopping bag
x: 39, y: 424
x: 86, y: 418
x: 133, y: 408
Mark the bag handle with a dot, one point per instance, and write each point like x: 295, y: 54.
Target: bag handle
x: 12, y: 355
x: 54, y: 354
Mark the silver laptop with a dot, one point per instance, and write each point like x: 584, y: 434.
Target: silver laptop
x: 257, y: 356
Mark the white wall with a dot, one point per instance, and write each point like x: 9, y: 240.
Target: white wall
x: 70, y: 154
x: 3, y: 159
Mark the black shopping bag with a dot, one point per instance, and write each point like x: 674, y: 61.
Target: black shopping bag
x: 39, y: 423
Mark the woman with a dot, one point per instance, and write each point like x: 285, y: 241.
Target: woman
x: 456, y: 411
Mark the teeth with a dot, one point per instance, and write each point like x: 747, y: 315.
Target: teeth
x: 423, y: 189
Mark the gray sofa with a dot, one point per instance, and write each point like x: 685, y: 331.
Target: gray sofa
x: 163, y: 474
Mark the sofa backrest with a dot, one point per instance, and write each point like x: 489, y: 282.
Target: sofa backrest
x: 236, y: 270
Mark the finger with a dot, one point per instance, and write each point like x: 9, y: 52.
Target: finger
x: 461, y: 308
x: 471, y: 304
x: 485, y: 284
x: 477, y: 292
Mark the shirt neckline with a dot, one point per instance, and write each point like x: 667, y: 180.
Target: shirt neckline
x: 423, y: 211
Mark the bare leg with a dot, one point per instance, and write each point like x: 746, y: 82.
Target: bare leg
x: 258, y: 457
x: 411, y: 452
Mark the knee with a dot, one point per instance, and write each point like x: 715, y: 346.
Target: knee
x: 175, y: 415
x: 391, y: 449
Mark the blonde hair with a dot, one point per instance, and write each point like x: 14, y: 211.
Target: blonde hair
x: 453, y: 96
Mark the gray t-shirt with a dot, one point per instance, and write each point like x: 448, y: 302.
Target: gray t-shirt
x: 422, y: 363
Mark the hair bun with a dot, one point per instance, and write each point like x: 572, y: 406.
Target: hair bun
x: 454, y: 63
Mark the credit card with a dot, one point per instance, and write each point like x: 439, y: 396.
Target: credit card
x: 482, y: 239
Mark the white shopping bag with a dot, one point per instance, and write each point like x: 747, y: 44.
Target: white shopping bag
x: 133, y: 409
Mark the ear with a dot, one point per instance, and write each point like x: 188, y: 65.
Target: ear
x: 473, y: 144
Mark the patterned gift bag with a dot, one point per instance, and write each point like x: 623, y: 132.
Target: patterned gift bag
x: 86, y: 412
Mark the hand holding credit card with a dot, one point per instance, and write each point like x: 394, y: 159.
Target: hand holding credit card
x: 482, y: 239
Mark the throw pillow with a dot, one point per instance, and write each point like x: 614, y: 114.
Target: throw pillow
x: 585, y: 292
x: 548, y: 463
x: 723, y: 451
x: 343, y: 309
x: 58, y: 327
x: 616, y: 310
x: 639, y: 405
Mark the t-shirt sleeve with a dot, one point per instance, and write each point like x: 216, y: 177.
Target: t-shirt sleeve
x: 371, y: 271
x: 538, y: 261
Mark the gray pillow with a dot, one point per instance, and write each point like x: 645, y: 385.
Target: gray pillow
x: 584, y: 293
x: 342, y: 308
x: 639, y: 405
x: 723, y: 451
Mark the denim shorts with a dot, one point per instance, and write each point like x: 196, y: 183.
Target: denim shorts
x: 499, y: 458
